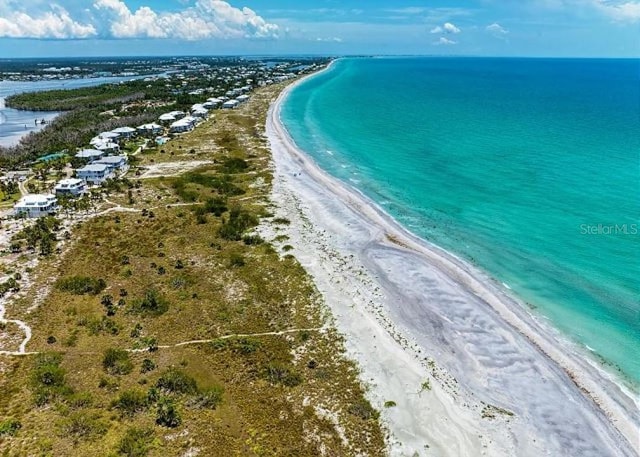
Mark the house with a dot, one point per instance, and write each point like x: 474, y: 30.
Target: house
x: 231, y: 104
x: 113, y: 163
x: 183, y: 125
x: 150, y: 129
x: 95, y: 173
x: 242, y: 98
x: 108, y: 147
x: 106, y: 136
x: 90, y: 155
x: 36, y: 205
x: 125, y: 132
x: 167, y: 118
x: 72, y: 187
x: 201, y: 112
x: 212, y: 103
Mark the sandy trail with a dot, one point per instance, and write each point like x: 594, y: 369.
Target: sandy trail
x: 412, y: 312
x: 166, y: 169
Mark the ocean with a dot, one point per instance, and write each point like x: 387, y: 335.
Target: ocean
x: 527, y: 168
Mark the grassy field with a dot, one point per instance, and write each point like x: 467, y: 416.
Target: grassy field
x: 174, y: 331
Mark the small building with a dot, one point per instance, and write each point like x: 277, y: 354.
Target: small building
x: 72, y: 187
x: 202, y: 113
x: 231, y: 104
x: 242, y: 98
x: 36, y: 205
x: 107, y: 136
x: 212, y: 103
x: 183, y: 125
x: 150, y: 129
x: 125, y: 132
x: 108, y: 147
x: 114, y: 163
x: 167, y: 118
x: 95, y: 173
x: 90, y: 155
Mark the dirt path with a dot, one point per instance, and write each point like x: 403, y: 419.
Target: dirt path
x: 167, y: 169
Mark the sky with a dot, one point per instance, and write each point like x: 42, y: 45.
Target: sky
x: 527, y: 28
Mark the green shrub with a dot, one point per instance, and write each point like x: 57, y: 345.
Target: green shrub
x: 152, y: 304
x: 239, y: 222
x: 244, y: 346
x: 81, y: 285
x: 136, y: 442
x: 252, y: 240
x: 167, y: 413
x: 48, y: 379
x: 82, y: 425
x: 279, y: 374
x: 117, y: 362
x: 231, y: 166
x: 130, y: 402
x: 208, y: 399
x: 363, y: 410
x: 103, y: 325
x: 177, y: 382
x: 216, y: 206
x: 147, y: 366
x: 9, y: 427
x: 236, y: 261
x: 80, y: 400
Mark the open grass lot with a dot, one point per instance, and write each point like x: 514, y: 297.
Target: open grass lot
x: 173, y: 331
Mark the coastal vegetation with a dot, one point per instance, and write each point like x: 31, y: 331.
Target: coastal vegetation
x: 174, y: 328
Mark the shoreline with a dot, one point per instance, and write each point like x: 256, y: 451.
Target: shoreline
x: 487, y: 339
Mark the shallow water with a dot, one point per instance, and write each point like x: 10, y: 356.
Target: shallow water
x: 526, y: 167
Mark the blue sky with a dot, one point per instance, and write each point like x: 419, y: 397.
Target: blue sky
x: 35, y: 28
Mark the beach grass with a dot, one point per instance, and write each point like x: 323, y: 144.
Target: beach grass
x: 204, y: 341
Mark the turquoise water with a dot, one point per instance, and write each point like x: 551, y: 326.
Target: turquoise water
x: 529, y: 168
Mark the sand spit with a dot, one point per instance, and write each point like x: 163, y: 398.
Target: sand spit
x: 469, y: 370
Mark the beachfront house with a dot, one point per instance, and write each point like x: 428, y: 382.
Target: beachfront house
x: 125, y: 132
x: 167, y: 118
x: 212, y: 103
x: 107, y: 136
x: 152, y: 129
x: 95, y: 173
x: 200, y: 112
x: 231, y: 104
x: 113, y: 163
x: 108, y: 147
x: 90, y: 155
x: 36, y: 205
x: 171, y: 117
x: 72, y: 187
x: 183, y: 125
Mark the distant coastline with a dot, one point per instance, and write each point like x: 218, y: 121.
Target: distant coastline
x: 15, y: 124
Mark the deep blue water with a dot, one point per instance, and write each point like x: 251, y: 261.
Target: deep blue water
x: 529, y: 168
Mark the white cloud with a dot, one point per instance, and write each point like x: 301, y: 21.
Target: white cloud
x: 496, y: 30
x: 330, y: 40
x: 447, y: 27
x: 618, y: 10
x: 206, y: 19
x: 197, y: 20
x: 56, y: 24
x: 445, y: 41
x: 628, y: 11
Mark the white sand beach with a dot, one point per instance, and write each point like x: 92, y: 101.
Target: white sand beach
x: 471, y: 372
